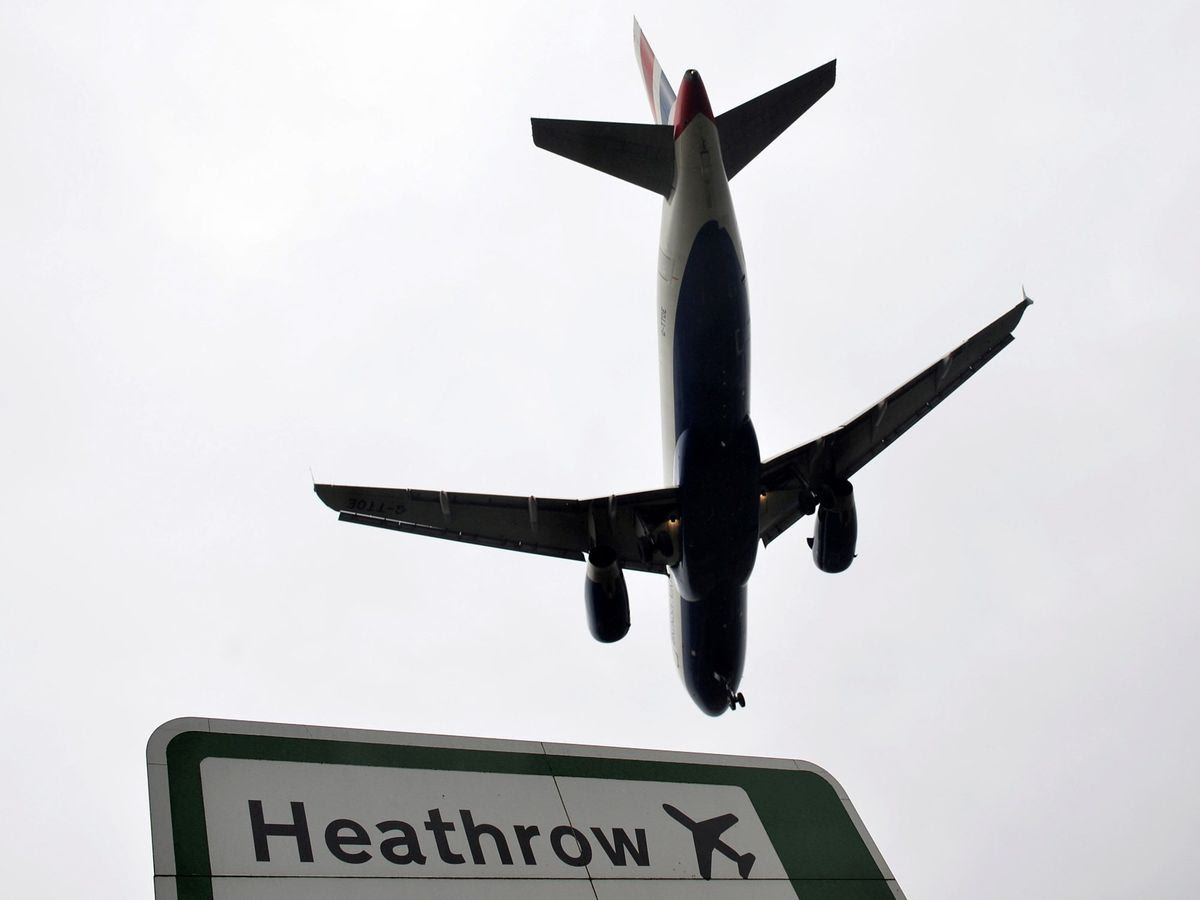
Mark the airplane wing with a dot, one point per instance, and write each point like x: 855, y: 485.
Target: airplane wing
x: 714, y: 828
x: 636, y: 526
x: 794, y: 481
x: 709, y: 829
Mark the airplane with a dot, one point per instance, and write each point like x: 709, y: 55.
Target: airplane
x: 707, y: 837
x: 721, y: 499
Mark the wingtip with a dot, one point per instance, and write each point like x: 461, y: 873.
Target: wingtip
x: 1013, y: 317
x: 537, y: 128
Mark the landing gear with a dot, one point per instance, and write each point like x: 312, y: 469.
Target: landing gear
x: 734, y: 698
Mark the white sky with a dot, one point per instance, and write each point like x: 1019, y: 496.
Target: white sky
x: 242, y: 239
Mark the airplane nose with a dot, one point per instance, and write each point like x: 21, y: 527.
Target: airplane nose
x: 712, y: 699
x: 712, y: 679
x: 691, y: 102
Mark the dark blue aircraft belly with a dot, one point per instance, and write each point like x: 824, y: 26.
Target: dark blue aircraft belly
x: 716, y: 464
x: 711, y: 365
x: 713, y: 632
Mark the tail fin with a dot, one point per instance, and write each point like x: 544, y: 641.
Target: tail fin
x: 746, y: 130
x: 745, y: 863
x: 645, y: 154
x: 658, y: 87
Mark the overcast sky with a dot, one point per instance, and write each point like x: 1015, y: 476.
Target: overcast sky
x: 239, y: 240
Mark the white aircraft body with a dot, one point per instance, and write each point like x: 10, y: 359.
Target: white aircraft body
x: 702, y: 530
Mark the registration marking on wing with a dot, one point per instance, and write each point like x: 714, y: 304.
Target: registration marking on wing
x: 372, y: 507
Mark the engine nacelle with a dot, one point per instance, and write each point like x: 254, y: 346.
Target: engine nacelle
x: 836, y: 532
x: 606, y: 596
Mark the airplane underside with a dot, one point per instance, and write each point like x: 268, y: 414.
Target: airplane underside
x: 715, y: 455
x: 721, y: 499
x: 712, y: 646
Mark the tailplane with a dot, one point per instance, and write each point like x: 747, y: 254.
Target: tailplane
x: 640, y: 154
x: 746, y: 130
x: 645, y: 154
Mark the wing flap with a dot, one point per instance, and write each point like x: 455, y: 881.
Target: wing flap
x: 783, y: 508
x: 503, y: 518
x: 465, y: 537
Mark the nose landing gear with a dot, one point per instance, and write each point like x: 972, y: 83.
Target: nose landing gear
x: 734, y: 698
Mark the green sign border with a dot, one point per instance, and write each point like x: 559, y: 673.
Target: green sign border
x: 812, y: 828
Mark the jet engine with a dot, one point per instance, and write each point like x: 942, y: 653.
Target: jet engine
x: 606, y: 596
x: 836, y: 532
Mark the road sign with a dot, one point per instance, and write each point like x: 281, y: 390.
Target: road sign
x: 243, y: 810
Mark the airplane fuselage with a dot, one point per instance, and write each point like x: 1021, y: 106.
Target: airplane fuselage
x: 721, y: 499
x: 709, y: 446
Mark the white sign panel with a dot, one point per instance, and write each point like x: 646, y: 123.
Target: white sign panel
x: 246, y: 810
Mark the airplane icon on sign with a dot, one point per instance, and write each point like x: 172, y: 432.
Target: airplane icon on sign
x: 707, y: 837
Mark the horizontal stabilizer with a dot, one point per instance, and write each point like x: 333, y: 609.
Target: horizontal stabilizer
x: 640, y: 154
x: 746, y: 130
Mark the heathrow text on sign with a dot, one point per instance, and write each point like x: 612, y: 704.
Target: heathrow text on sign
x: 243, y: 810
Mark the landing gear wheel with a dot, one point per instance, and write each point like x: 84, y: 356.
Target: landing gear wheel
x: 734, y: 698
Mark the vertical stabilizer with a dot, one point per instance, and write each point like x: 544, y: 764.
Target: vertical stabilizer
x: 658, y: 87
